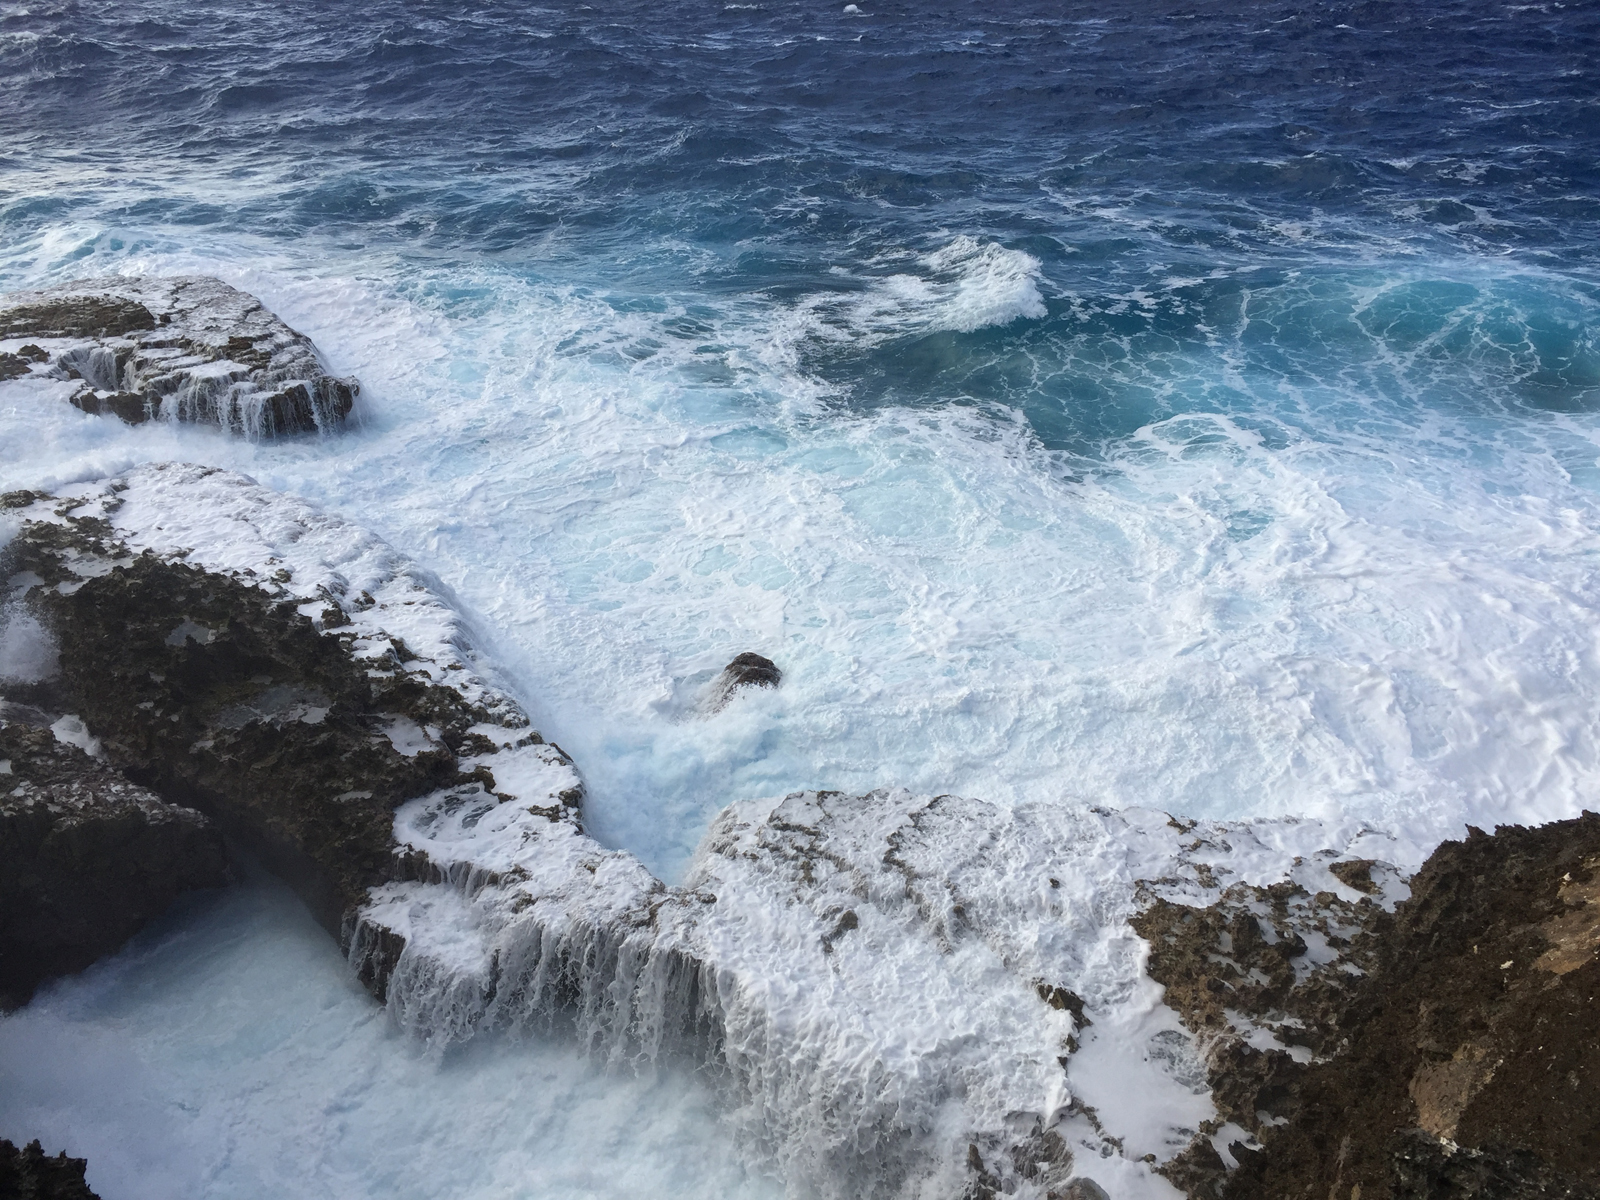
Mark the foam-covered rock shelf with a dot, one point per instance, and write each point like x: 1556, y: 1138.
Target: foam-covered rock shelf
x: 903, y: 994
x: 896, y: 994
x: 282, y: 670
x: 180, y: 348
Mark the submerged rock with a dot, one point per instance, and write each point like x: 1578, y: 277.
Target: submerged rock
x: 31, y: 1174
x: 748, y: 670
x: 185, y: 348
x: 88, y: 857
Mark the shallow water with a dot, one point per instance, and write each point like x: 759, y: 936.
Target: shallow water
x: 1172, y: 405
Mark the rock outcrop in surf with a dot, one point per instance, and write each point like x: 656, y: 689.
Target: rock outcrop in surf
x: 747, y: 670
x: 273, y: 691
x: 28, y: 1173
x: 183, y: 348
x: 902, y: 995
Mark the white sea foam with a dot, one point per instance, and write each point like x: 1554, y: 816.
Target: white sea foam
x: 1220, y: 623
x: 1222, y: 618
x: 963, y: 286
x: 28, y: 654
x: 229, y: 1057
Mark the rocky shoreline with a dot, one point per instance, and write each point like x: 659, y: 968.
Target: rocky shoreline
x: 250, y: 666
x: 899, y: 994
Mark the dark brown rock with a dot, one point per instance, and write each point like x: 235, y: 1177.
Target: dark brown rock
x: 31, y: 1174
x: 15, y: 366
x: 130, y: 406
x: 748, y: 670
x: 1461, y: 1058
x: 75, y: 314
x: 223, y: 696
x: 89, y: 857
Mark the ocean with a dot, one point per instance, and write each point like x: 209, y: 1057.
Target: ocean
x: 1194, y: 406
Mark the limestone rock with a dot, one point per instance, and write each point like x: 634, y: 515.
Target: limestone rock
x: 184, y: 348
x: 89, y: 857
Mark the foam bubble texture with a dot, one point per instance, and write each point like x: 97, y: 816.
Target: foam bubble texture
x: 1221, y: 615
x: 228, y: 1056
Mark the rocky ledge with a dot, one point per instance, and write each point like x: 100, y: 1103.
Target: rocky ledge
x: 31, y: 1174
x: 283, y: 672
x: 89, y: 857
x: 1450, y: 1048
x: 900, y: 995
x: 185, y: 348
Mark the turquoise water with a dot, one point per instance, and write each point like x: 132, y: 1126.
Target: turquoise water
x: 1168, y: 405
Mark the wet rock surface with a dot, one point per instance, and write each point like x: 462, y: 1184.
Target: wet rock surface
x: 185, y: 348
x: 29, y: 1173
x: 291, y: 724
x: 748, y: 670
x: 947, y: 986
x: 89, y: 857
x: 1450, y: 1048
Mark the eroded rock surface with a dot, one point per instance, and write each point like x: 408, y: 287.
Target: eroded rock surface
x: 86, y: 857
x: 1449, y: 1048
x: 29, y: 1173
x: 276, y: 694
x: 185, y: 348
x: 903, y: 995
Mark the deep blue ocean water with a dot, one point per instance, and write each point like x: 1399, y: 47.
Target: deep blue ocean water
x: 1198, y: 182
x: 1179, y: 404
x: 1182, y: 404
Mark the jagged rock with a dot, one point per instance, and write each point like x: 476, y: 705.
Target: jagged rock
x: 31, y: 1174
x: 274, y: 693
x: 1240, y: 968
x: 89, y: 857
x: 911, y: 975
x: 1457, y: 1038
x: 185, y: 348
x: 748, y: 670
